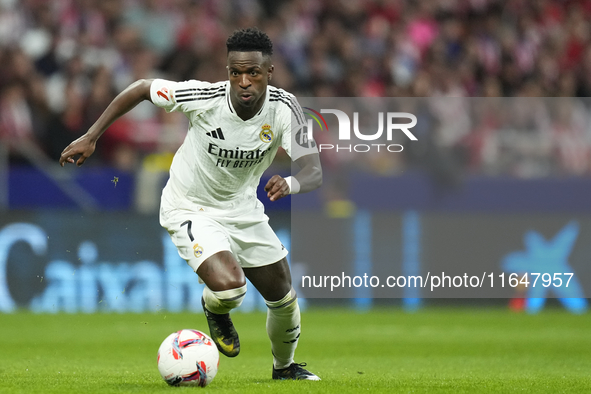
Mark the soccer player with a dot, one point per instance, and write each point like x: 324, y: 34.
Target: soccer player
x: 209, y: 204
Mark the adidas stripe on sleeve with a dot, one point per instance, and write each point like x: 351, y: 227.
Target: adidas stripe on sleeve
x: 295, y: 137
x: 183, y: 96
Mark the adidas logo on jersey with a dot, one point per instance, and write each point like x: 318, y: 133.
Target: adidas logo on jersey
x: 217, y: 133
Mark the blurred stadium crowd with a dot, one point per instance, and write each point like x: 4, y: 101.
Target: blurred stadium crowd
x: 63, y: 61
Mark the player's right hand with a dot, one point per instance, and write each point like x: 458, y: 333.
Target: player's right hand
x: 276, y: 188
x: 83, y: 146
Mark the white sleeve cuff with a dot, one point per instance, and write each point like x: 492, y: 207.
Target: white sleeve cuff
x: 293, y: 184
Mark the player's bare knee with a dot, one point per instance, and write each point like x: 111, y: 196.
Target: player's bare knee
x: 225, y: 282
x: 221, y: 272
x: 237, y: 282
x: 272, y: 281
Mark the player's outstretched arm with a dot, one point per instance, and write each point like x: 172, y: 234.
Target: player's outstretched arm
x: 307, y: 179
x: 123, y: 103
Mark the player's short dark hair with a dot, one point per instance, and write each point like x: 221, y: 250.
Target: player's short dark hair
x: 250, y: 40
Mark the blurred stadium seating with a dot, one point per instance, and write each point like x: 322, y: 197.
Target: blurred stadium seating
x: 61, y: 62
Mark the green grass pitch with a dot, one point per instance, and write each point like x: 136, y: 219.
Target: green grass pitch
x: 435, y: 350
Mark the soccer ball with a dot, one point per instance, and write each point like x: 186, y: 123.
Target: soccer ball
x: 188, y: 358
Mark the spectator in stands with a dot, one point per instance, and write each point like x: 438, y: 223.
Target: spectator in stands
x: 80, y: 52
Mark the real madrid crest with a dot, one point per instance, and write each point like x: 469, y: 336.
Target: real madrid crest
x: 266, y: 133
x: 197, y: 250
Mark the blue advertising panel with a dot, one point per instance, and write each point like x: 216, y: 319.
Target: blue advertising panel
x: 109, y: 262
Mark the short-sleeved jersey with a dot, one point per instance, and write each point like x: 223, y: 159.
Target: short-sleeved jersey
x: 221, y: 161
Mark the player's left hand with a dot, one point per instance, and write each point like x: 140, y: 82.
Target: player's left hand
x: 276, y: 188
x: 83, y: 146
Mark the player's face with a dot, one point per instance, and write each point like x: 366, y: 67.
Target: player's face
x: 249, y: 74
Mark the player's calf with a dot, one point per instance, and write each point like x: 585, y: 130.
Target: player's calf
x: 283, y: 328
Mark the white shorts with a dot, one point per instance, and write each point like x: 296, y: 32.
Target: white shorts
x: 198, y: 235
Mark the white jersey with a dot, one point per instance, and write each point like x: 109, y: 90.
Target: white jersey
x: 219, y: 165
